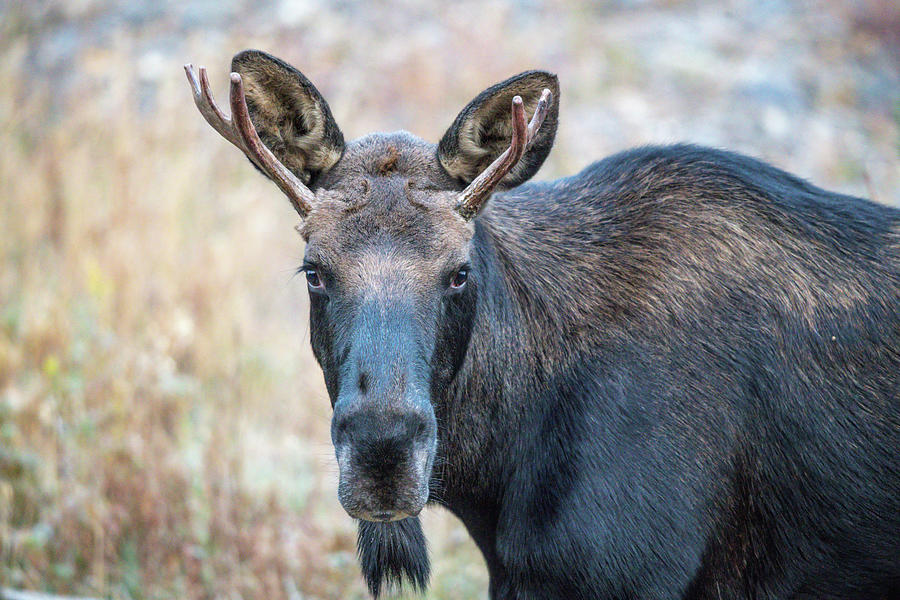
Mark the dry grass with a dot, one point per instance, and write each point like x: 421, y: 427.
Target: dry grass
x: 163, y: 426
x: 132, y: 359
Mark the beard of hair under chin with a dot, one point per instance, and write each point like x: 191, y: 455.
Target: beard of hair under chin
x: 392, y: 554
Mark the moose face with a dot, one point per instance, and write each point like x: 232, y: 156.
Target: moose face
x: 389, y: 264
x: 392, y: 301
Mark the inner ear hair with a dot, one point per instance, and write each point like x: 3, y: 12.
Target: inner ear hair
x: 291, y: 116
x: 483, y: 129
x: 488, y: 132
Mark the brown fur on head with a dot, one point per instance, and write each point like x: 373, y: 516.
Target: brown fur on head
x: 386, y: 192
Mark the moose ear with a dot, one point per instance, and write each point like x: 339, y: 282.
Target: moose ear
x: 290, y: 115
x: 483, y: 130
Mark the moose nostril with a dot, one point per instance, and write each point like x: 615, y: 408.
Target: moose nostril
x: 341, y: 423
x: 363, y: 382
x: 421, y: 429
x: 420, y: 426
x: 340, y: 431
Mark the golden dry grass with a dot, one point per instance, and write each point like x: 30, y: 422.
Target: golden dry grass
x: 163, y: 426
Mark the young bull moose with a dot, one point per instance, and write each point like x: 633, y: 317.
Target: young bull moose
x: 675, y: 374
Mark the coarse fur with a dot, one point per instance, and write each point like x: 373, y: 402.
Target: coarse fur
x: 393, y: 552
x: 298, y: 126
x: 675, y: 374
x: 482, y: 130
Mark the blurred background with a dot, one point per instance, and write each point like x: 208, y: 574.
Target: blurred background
x: 163, y: 425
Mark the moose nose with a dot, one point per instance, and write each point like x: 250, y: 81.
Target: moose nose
x: 381, y: 431
x: 385, y: 451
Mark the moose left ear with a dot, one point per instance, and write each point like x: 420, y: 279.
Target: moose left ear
x: 482, y: 131
x: 291, y: 116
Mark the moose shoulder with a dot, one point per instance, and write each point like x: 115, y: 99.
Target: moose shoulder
x: 675, y: 374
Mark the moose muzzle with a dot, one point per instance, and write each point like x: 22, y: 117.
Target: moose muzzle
x: 385, y: 459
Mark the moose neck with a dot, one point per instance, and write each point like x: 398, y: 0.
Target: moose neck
x: 530, y: 326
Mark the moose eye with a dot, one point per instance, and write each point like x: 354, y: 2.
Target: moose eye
x: 459, y: 279
x: 313, y: 279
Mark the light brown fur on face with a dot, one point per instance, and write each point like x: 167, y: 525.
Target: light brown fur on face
x: 382, y: 222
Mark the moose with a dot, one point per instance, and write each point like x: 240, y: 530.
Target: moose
x: 675, y: 374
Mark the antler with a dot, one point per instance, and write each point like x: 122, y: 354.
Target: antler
x: 239, y: 130
x: 471, y: 198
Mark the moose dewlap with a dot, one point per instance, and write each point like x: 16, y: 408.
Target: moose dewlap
x: 675, y: 374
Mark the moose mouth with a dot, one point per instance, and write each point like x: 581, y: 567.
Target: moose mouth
x: 386, y: 516
x: 382, y: 487
x: 372, y: 506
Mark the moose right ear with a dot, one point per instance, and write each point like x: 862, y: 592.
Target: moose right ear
x: 483, y: 130
x: 291, y: 116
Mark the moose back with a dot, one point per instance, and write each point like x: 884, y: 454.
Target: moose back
x: 675, y: 374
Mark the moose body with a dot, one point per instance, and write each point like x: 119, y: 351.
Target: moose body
x: 675, y: 374
x: 688, y: 382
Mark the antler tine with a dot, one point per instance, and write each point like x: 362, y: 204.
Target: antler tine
x: 239, y: 130
x: 475, y: 194
x: 207, y: 105
x: 471, y: 198
x: 299, y: 195
x: 540, y: 113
